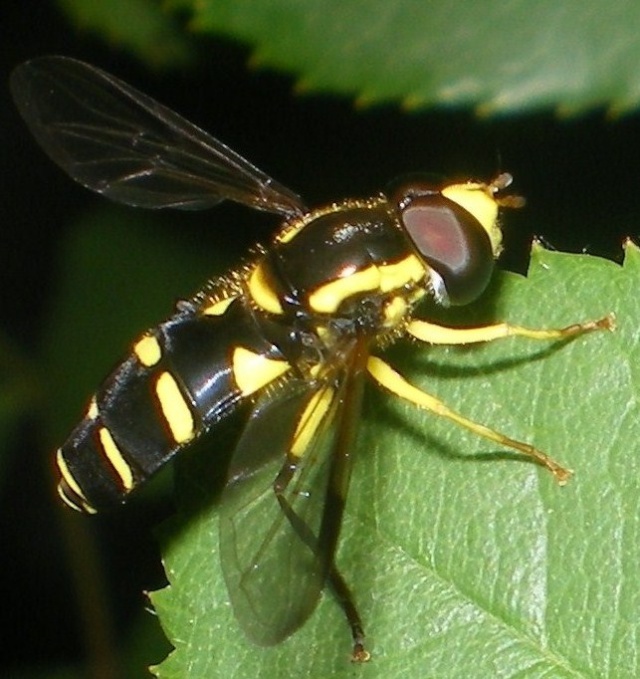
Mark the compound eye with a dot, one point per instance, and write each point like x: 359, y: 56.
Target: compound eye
x: 453, y: 243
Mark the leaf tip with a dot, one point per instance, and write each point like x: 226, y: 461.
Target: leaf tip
x: 631, y: 252
x: 538, y: 246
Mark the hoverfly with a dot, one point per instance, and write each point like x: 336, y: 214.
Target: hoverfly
x: 295, y: 331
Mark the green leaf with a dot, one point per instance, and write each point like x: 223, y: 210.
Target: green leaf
x: 465, y: 559
x: 500, y: 56
x: 142, y: 27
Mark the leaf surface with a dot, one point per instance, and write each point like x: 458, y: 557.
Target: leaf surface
x: 498, y: 56
x: 465, y: 559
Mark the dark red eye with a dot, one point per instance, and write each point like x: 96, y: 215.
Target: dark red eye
x: 452, y: 242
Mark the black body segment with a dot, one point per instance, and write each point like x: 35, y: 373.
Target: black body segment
x: 349, y: 238
x: 194, y: 358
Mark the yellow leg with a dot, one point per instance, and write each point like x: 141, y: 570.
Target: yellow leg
x: 438, y: 334
x: 388, y: 378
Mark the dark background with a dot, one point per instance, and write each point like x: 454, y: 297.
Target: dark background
x: 580, y: 177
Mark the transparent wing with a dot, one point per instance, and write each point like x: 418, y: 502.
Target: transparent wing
x: 123, y: 144
x: 272, y: 571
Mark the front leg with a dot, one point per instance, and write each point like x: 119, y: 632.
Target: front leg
x: 439, y: 334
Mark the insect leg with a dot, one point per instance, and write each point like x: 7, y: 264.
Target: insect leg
x: 438, y: 334
x: 391, y: 380
x: 339, y: 586
x: 324, y: 544
x: 338, y: 488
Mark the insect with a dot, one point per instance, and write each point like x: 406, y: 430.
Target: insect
x: 295, y: 331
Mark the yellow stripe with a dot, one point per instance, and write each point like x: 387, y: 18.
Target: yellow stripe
x: 310, y: 421
x: 113, y: 454
x: 92, y: 409
x: 262, y: 293
x: 84, y: 507
x: 148, y: 350
x: 327, y: 298
x: 67, y: 500
x: 253, y: 371
x: 385, y: 278
x: 395, y: 276
x: 394, y: 311
x: 218, y: 308
x: 175, y: 408
x: 66, y: 474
